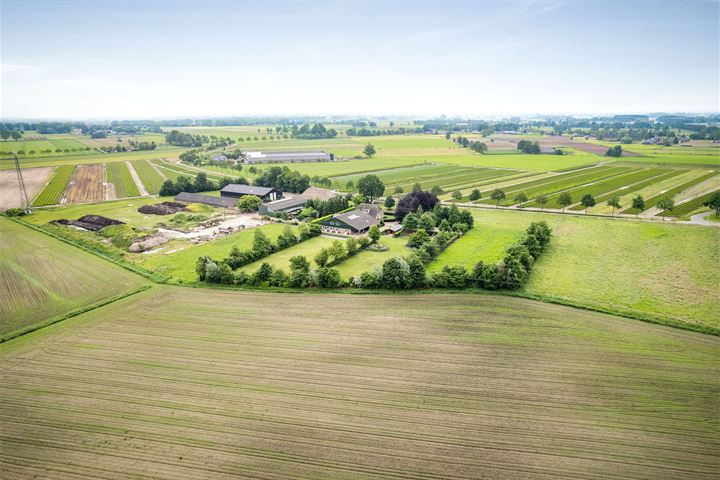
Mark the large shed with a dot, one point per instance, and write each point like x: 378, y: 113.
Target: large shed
x: 186, y: 197
x: 237, y: 190
x: 287, y: 205
x: 287, y: 157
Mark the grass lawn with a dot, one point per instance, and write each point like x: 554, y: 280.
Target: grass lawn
x: 633, y: 267
x: 486, y: 242
x: 196, y: 383
x: 281, y: 259
x: 43, y: 278
x: 368, y: 260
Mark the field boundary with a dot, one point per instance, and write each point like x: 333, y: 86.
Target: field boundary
x: 153, y: 277
x: 72, y: 313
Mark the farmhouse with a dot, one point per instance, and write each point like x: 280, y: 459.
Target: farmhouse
x: 287, y: 157
x: 316, y: 193
x: 371, y: 209
x: 235, y: 190
x: 289, y: 205
x: 348, y: 223
x: 227, y: 202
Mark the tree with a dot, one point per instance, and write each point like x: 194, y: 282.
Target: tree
x: 713, y: 202
x: 394, y: 273
x: 542, y: 200
x: 520, y: 198
x: 436, y: 190
x: 337, y: 251
x: 417, y: 187
x: 587, y: 201
x: 475, y: 195
x: 418, y: 239
x: 411, y: 221
x: 498, y: 196
x: 328, y: 277
x: 564, y: 200
x: 666, y: 204
x: 638, y: 203
x: 299, y: 263
x: 457, y: 195
x: 615, y: 151
x: 15, y: 135
x: 371, y: 186
x: 374, y: 233
x: 322, y: 257
x: 399, y: 190
x: 614, y: 202
x: 369, y: 150
x: 389, y: 203
x: 261, y: 244
x: 249, y: 203
x: 5, y: 134
x: 413, y: 201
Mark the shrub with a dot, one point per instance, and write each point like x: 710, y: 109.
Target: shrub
x: 249, y: 203
x: 328, y: 278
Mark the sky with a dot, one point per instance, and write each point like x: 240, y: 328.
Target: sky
x: 82, y: 59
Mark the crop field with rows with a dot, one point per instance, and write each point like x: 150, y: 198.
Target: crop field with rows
x: 686, y: 208
x: 651, y: 202
x: 43, y: 278
x: 189, y: 383
x: 149, y: 177
x: 53, y: 191
x: 124, y: 184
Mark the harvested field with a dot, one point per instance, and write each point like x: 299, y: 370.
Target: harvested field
x: 551, y: 141
x: 34, y: 178
x: 181, y: 383
x: 87, y: 184
x: 43, y: 278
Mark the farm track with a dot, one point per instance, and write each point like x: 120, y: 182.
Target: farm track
x: 87, y: 184
x: 136, y: 178
x: 153, y: 387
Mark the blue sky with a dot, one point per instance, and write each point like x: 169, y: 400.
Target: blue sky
x: 164, y: 58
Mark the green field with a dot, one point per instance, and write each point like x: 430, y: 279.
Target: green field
x: 308, y: 248
x: 194, y: 383
x: 53, y: 191
x: 652, y: 201
x: 119, y: 174
x: 150, y: 178
x: 91, y: 157
x: 368, y: 260
x: 684, y: 209
x: 642, y: 269
x: 43, y: 278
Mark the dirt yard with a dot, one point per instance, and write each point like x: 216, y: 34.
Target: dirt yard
x: 87, y: 184
x: 35, y: 180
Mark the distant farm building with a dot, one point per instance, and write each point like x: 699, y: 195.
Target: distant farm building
x: 287, y: 157
x: 289, y: 205
x: 316, y: 193
x: 237, y: 190
x: 227, y: 202
x: 348, y: 223
x: 219, y: 158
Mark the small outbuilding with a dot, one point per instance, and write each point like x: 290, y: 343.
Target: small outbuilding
x: 219, y: 158
x: 237, y: 190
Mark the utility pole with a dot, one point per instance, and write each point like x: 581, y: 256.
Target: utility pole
x: 24, y: 200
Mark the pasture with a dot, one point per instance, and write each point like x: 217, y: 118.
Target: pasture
x: 661, y: 271
x: 182, y: 383
x: 44, y: 278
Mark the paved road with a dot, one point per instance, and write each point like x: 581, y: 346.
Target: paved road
x: 699, y: 219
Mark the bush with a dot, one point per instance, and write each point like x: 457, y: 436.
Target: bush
x: 328, y: 278
x: 15, y: 212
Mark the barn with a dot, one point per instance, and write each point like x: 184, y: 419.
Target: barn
x: 287, y: 157
x: 236, y: 190
x: 289, y: 205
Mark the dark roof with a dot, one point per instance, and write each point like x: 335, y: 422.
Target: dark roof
x: 286, y: 203
x: 357, y: 219
x: 372, y: 209
x: 247, y: 189
x: 206, y: 199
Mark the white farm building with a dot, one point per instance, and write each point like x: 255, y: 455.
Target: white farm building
x: 287, y: 157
